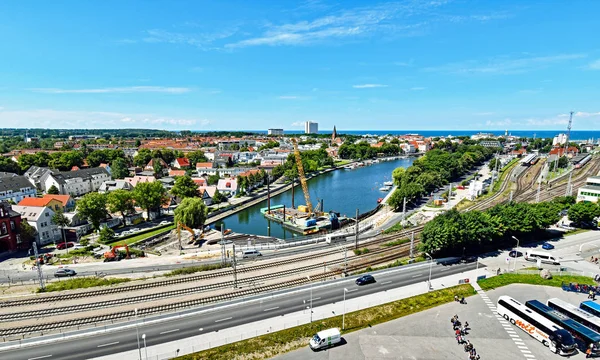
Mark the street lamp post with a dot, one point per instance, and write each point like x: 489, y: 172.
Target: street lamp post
x: 145, y: 348
x: 137, y: 333
x: 311, y: 307
x: 344, y: 313
x: 430, y: 266
x: 515, y: 265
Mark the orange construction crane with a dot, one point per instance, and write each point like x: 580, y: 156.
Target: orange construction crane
x: 302, y: 177
x: 112, y: 254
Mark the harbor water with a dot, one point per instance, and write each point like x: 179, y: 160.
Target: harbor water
x: 342, y: 191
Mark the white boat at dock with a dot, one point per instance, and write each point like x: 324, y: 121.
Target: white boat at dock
x: 385, y: 188
x: 388, y: 183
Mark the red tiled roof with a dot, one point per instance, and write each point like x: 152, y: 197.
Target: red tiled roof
x: 176, y: 172
x: 32, y: 201
x: 183, y: 161
x: 64, y: 199
x: 207, y: 165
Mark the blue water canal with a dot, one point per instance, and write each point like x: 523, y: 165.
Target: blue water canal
x: 342, y: 191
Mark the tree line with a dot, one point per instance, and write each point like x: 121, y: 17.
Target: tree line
x: 363, y: 150
x: 435, y: 169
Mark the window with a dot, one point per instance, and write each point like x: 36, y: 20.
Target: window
x: 12, y: 225
x: 4, y: 229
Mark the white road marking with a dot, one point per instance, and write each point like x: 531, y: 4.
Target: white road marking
x: 201, y: 329
x: 273, y: 308
x: 414, y: 276
x: 112, y: 343
x: 229, y: 318
x: 351, y: 290
x: 317, y: 298
x: 385, y: 282
x: 169, y: 331
x: 40, y: 357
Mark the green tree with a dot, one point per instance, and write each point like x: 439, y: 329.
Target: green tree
x: 583, y: 212
x: 563, y: 162
x: 28, y: 232
x: 59, y: 219
x: 185, y: 187
x: 196, y: 157
x: 218, y: 197
x: 492, y: 164
x: 191, y: 212
x: 92, y: 206
x: 7, y: 165
x: 150, y: 196
x: 242, y: 182
x: 120, y: 201
x: 142, y: 158
x: 213, y: 179
x: 157, y: 167
x: 53, y: 190
x: 107, y: 235
x: 119, y: 168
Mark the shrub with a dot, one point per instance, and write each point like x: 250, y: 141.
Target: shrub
x: 80, y: 283
x: 84, y: 242
x: 194, y: 269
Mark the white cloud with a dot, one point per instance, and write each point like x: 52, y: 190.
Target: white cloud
x: 298, y: 124
x: 585, y: 114
x: 417, y: 88
x: 51, y: 118
x: 201, y: 41
x: 594, y: 65
x: 121, y: 90
x: 499, y: 123
x: 368, y: 86
x: 504, y: 64
x: 385, y: 18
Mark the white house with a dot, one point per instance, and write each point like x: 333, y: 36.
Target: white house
x: 75, y: 183
x: 227, y: 186
x: 113, y: 185
x: 40, y: 218
x: 16, y: 188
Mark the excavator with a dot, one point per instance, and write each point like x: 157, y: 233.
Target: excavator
x: 190, y: 230
x: 112, y: 254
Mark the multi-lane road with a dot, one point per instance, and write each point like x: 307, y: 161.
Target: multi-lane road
x: 225, y: 317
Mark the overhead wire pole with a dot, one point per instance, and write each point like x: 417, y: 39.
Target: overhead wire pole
x: 356, y: 231
x: 39, y: 267
x: 537, y: 195
x: 404, y: 210
x: 222, y: 246
x: 234, y: 269
x: 569, y: 191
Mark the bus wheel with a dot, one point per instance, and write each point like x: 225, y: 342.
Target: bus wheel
x: 505, y: 316
x: 512, y: 321
x: 545, y: 343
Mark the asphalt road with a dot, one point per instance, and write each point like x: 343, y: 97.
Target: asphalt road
x: 116, y: 342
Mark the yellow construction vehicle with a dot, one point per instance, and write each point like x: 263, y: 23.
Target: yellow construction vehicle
x: 190, y: 230
x: 302, y: 178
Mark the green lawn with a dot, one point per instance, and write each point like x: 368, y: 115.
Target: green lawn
x: 140, y: 237
x: 575, y: 232
x: 533, y: 279
x: 80, y: 283
x: 268, y: 346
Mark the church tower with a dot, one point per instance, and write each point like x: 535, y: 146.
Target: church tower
x: 334, y: 134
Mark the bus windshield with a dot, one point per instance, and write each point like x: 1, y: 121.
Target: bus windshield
x: 565, y: 337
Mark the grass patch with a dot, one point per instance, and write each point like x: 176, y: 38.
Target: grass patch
x: 342, y: 162
x: 575, y: 232
x: 399, y: 262
x: 533, y: 279
x: 194, y: 269
x: 361, y: 251
x: 395, y: 242
x: 394, y: 229
x: 464, y: 204
x: 80, y: 283
x: 270, y: 345
x: 142, y: 236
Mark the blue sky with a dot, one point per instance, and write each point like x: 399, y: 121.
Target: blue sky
x: 372, y: 65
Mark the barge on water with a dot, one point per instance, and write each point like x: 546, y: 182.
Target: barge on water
x: 297, y: 220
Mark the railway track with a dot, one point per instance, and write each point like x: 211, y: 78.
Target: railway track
x: 496, y: 198
x: 50, y: 326
x: 182, y: 292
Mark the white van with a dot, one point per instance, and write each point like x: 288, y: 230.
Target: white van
x: 247, y: 254
x: 324, y: 339
x: 545, y: 257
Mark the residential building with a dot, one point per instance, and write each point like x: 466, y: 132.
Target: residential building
x: 275, y: 132
x: 16, y: 188
x: 559, y: 139
x: 35, y: 173
x: 134, y: 180
x: 591, y: 191
x: 51, y: 203
x: 75, y: 183
x: 113, y: 185
x: 228, y: 186
x: 10, y: 225
x: 205, y: 196
x: 408, y: 148
x: 311, y: 127
x: 560, y: 151
x: 490, y: 144
x: 150, y: 165
x: 206, y: 169
x: 40, y: 218
x: 173, y: 172
x: 481, y: 136
x: 107, y: 167
x: 67, y: 202
x: 181, y: 163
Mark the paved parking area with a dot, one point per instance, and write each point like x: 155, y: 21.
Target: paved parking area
x: 428, y: 334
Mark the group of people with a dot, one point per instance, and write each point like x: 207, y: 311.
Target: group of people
x: 461, y: 300
x: 460, y: 331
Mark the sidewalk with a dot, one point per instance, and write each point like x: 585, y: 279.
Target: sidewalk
x: 237, y: 333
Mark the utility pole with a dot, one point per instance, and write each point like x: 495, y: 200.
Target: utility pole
x: 356, y: 231
x: 268, y: 195
x: 412, y: 244
x: 39, y: 267
x: 569, y: 191
x: 234, y: 269
x: 404, y: 210
x: 537, y: 196
x: 222, y: 246
x: 568, y: 133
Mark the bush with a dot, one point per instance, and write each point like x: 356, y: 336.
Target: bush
x: 84, y: 241
x: 194, y: 269
x: 533, y: 279
x: 80, y: 283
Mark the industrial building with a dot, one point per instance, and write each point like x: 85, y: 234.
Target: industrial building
x: 591, y: 191
x: 275, y: 132
x: 311, y: 127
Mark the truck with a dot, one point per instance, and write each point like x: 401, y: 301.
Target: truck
x: 324, y: 339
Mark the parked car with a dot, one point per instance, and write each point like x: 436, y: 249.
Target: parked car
x: 64, y: 273
x: 164, y: 222
x: 62, y: 245
x: 468, y: 259
x: 365, y: 279
x: 515, y: 253
x: 547, y: 246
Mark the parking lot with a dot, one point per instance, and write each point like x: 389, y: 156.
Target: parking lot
x: 429, y: 335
